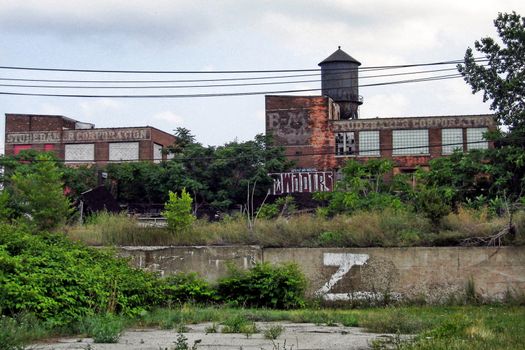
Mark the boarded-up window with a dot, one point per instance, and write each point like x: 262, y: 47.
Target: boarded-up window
x: 369, y: 143
x: 157, y: 152
x: 79, y: 153
x: 475, y: 139
x: 410, y: 142
x: 123, y: 151
x: 48, y: 147
x: 451, y: 139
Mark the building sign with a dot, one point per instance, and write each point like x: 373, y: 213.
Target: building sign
x: 33, y: 137
x: 80, y: 136
x: 302, y: 182
x: 413, y: 123
x: 103, y: 135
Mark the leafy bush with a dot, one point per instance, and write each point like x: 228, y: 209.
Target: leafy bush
x: 178, y: 211
x: 278, y: 287
x: 433, y: 202
x: 283, y: 206
x: 188, y: 287
x: 62, y: 281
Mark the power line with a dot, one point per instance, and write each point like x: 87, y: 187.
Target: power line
x: 247, y: 93
x: 230, y: 71
x: 223, y: 85
x: 160, y: 81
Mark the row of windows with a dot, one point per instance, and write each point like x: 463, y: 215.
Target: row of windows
x: 408, y: 142
x: 119, y: 151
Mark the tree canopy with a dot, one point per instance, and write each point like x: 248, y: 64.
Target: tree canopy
x: 501, y: 75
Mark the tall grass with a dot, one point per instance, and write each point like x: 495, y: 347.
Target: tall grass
x: 388, y: 228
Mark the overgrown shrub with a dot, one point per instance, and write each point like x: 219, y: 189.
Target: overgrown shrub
x: 265, y: 285
x: 188, y: 287
x: 178, y: 211
x: 62, y: 281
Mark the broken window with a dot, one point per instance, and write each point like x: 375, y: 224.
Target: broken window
x: 344, y: 143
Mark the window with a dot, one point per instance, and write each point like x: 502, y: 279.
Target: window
x: 157, y: 153
x: 475, y: 139
x: 48, y: 147
x: 451, y: 139
x: 410, y: 142
x: 369, y: 143
x: 344, y: 143
x: 79, y: 153
x: 123, y: 151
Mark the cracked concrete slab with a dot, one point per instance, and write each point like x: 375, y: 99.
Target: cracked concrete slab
x: 296, y: 336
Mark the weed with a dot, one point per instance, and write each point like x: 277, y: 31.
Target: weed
x: 10, y: 337
x: 273, y: 332
x: 471, y: 295
x: 239, y: 324
x: 104, y: 328
x: 214, y: 328
x: 386, y: 228
x: 278, y: 346
x: 394, y: 321
x: 182, y: 343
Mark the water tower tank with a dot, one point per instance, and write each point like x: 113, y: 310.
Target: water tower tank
x: 339, y: 81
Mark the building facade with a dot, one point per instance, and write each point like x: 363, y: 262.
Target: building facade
x: 81, y: 143
x: 321, y: 133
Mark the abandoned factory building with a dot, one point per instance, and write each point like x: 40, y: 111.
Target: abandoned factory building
x: 76, y: 142
x: 320, y: 133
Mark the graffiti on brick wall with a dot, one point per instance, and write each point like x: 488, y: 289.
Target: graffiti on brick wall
x: 289, y: 127
x: 302, y: 182
x: 376, y: 276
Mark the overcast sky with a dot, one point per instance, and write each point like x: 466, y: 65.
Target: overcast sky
x: 233, y: 35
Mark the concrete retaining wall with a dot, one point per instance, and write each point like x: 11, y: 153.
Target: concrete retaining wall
x: 341, y: 274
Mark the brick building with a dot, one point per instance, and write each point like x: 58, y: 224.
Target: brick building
x: 76, y: 142
x: 322, y: 132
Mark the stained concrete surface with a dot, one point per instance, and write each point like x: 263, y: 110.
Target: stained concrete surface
x: 298, y: 336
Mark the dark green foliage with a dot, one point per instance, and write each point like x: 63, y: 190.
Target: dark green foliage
x: 62, y: 281
x: 432, y: 202
x: 265, y: 285
x: 188, y: 287
x: 362, y: 188
x: 213, y: 176
x: 38, y: 193
x: 502, y: 78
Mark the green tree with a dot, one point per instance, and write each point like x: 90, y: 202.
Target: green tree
x: 502, y: 77
x: 178, y: 211
x: 362, y: 187
x: 39, y: 193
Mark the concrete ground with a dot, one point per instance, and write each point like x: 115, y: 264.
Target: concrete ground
x: 296, y: 336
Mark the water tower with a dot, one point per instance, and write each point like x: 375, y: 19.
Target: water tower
x: 339, y: 81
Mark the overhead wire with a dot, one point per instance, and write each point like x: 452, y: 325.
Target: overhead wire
x: 244, y: 93
x: 364, y: 68
x: 225, y: 85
